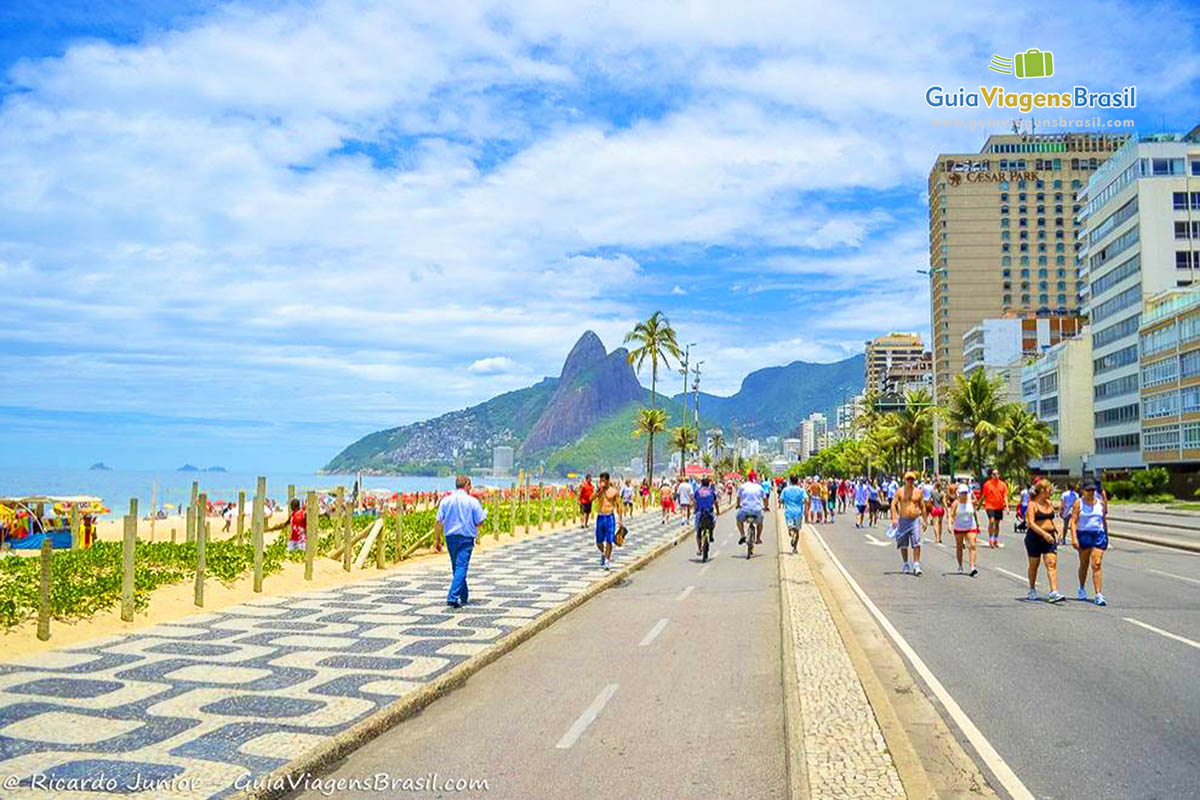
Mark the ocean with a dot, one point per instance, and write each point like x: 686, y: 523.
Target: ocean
x: 174, y: 488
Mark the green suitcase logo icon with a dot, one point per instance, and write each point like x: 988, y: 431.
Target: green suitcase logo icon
x: 1033, y: 63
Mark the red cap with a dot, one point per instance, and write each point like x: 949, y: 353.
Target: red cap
x: 751, y: 476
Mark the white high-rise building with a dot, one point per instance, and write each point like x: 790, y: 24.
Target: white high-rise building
x: 1142, y: 216
x: 793, y: 449
x: 502, y: 460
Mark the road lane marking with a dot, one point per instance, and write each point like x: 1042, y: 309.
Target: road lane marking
x: 994, y: 761
x: 1022, y: 579
x: 704, y: 569
x: 1176, y: 577
x: 587, y: 717
x: 716, y: 552
x: 872, y: 540
x: 684, y: 594
x: 654, y: 632
x: 1161, y: 632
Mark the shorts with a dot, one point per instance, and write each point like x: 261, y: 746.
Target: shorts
x: 705, y: 520
x: 861, y: 507
x: 1092, y: 539
x: 298, y: 544
x: 909, y: 533
x: 628, y: 503
x: 937, y: 511
x: 745, y: 514
x: 874, y: 505
x: 606, y: 528
x: 995, y: 514
x: 1036, y: 546
x: 818, y: 505
x: 958, y: 532
x: 794, y: 518
x: 585, y: 508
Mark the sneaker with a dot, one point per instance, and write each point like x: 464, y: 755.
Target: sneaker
x: 960, y: 569
x: 917, y: 568
x: 973, y: 572
x: 1100, y: 601
x: 742, y: 540
x: 1081, y: 594
x: 758, y: 540
x: 904, y: 570
x: 601, y: 562
x: 1055, y: 597
x: 1032, y: 595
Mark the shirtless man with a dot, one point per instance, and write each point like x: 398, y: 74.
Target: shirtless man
x: 908, y: 508
x: 608, y: 517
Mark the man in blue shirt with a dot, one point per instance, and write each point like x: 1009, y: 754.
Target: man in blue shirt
x: 459, y: 516
x: 707, y: 508
x: 862, y: 494
x: 793, y: 499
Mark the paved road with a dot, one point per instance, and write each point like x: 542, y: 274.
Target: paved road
x: 1080, y: 701
x: 689, y: 707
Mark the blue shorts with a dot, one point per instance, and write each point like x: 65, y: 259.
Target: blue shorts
x: 861, y: 507
x: 908, y: 532
x: 606, y: 529
x: 817, y: 505
x: 745, y: 514
x: 794, y: 518
x: 1092, y: 539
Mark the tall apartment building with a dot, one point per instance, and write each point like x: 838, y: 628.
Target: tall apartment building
x: 1142, y: 214
x: 1170, y: 377
x: 502, y: 460
x: 1000, y: 347
x: 1002, y: 235
x: 895, y: 362
x: 1057, y: 386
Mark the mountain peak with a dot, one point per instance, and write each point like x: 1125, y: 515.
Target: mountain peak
x: 587, y: 352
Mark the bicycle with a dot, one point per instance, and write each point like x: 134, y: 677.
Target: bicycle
x: 753, y: 531
x: 706, y: 525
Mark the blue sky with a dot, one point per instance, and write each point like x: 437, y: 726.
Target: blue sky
x: 246, y: 234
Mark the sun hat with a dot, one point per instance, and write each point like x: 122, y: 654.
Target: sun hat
x: 964, y: 489
x: 910, y: 474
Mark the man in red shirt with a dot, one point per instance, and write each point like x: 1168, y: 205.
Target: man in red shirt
x: 297, y: 523
x: 995, y: 501
x: 586, y: 492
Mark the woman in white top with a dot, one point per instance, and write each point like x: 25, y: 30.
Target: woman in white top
x: 1089, y: 535
x: 965, y: 524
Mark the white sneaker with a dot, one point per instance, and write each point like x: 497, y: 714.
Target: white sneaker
x: 917, y: 568
x: 906, y: 569
x: 960, y: 569
x: 1032, y: 595
x: 1081, y: 594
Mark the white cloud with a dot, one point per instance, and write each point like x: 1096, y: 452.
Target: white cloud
x: 492, y: 366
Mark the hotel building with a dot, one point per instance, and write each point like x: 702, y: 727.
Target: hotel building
x: 1170, y: 377
x: 1142, y: 214
x: 896, y: 362
x: 1002, y: 235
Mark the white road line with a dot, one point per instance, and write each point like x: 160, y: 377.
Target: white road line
x: 1161, y: 632
x: 872, y: 540
x: 654, y: 632
x: 999, y: 767
x: 587, y: 717
x: 1022, y: 579
x: 704, y: 569
x: 1176, y: 577
x: 684, y: 594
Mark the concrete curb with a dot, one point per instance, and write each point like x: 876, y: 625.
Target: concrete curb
x: 282, y: 780
x: 793, y: 728
x: 912, y: 773
x: 1188, y: 546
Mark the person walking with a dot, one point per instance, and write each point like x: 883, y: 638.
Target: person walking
x: 907, y: 509
x: 1066, y: 506
x: 1089, y: 535
x: 1041, y: 540
x: 861, y: 496
x: 873, y: 498
x: 627, y: 497
x: 937, y: 511
x: 793, y: 500
x: 995, y: 502
x: 685, y: 492
x: 586, y: 493
x: 459, y: 516
x: 608, y: 517
x: 964, y: 522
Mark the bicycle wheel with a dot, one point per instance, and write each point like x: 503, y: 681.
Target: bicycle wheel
x: 751, y: 534
x: 704, y: 548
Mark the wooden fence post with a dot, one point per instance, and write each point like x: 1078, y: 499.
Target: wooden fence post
x: 381, y: 544
x: 399, y: 524
x: 512, y: 506
x: 241, y: 520
x: 43, y: 628
x: 347, y: 528
x: 128, y: 544
x: 541, y: 501
x: 172, y: 536
x: 312, y: 529
x: 257, y: 523
x: 75, y: 531
x: 202, y: 533
x: 192, y: 517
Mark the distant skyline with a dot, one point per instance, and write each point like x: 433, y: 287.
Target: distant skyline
x: 247, y: 234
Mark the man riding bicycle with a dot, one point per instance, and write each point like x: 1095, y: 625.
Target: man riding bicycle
x: 707, y: 508
x: 750, y: 501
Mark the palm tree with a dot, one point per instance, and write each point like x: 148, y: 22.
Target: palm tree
x: 1024, y: 437
x: 914, y: 423
x: 649, y: 422
x: 683, y: 437
x: 975, y: 411
x: 718, y: 443
x: 655, y: 340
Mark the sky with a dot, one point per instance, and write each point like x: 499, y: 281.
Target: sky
x: 248, y: 233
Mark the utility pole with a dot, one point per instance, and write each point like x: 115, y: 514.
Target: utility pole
x: 687, y: 352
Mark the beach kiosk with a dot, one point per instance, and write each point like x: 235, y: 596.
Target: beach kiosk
x: 25, y: 522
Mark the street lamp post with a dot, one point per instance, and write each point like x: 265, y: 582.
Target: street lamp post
x: 933, y: 335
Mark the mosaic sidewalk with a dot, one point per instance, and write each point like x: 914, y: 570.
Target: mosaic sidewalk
x: 196, y: 707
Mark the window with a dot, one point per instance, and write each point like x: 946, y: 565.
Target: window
x: 1189, y: 328
x: 1184, y: 259
x: 1112, y: 221
x: 1162, y: 339
x: 1029, y: 388
x: 1115, y: 388
x: 1157, y: 406
x: 1189, y: 399
x: 1189, y: 364
x: 1114, y: 276
x: 1048, y: 383
x: 1180, y: 200
x: 1117, y: 245
x: 1124, y: 443
x: 1048, y: 407
x: 1196, y: 167
x: 1116, y: 416
x: 1126, y: 327
x: 1191, y: 435
x: 1164, y: 437
x: 1182, y: 231
x: 1005, y: 260
x: 1160, y: 372
x: 1117, y: 303
x: 1118, y: 358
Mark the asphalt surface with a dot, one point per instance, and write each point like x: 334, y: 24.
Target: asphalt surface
x: 679, y: 667
x: 1077, y: 699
